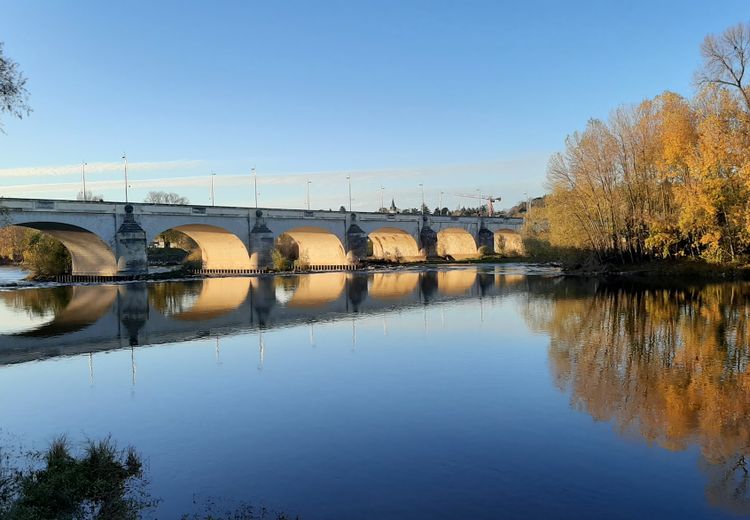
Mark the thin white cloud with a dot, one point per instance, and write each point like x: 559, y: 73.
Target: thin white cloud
x: 97, y: 167
x: 510, y: 179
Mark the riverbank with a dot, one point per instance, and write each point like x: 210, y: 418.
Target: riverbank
x: 672, y: 269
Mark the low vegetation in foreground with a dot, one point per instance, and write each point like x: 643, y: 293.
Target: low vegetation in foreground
x: 100, y: 482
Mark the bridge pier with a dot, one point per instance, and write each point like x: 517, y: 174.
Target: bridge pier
x: 356, y: 242
x: 261, y: 243
x: 486, y: 238
x: 130, y: 245
x: 428, y: 240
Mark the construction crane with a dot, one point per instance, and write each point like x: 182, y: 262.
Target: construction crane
x: 489, y: 198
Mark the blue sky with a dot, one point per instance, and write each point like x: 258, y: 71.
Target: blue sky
x: 459, y: 96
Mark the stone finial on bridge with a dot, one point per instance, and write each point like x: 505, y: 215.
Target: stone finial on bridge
x: 131, y: 246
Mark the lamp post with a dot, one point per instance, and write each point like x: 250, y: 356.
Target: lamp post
x: 349, y: 180
x: 125, y: 157
x: 213, y: 196
x: 255, y: 186
x: 382, y: 202
x: 440, y: 201
x: 421, y: 187
x: 308, y: 194
x: 83, y: 178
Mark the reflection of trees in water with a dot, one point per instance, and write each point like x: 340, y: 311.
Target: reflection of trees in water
x: 39, y: 302
x: 171, y: 298
x: 671, y: 365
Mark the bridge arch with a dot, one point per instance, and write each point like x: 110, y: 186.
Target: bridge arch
x: 508, y: 243
x: 221, y: 250
x: 89, y: 254
x: 390, y: 243
x: 456, y: 242
x: 315, y: 246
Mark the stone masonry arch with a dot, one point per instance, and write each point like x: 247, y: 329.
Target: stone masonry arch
x: 90, y: 255
x: 317, y: 246
x: 221, y: 250
x: 390, y: 243
x: 457, y: 243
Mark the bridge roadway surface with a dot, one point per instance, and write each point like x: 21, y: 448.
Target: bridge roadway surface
x: 109, y: 239
x: 106, y: 317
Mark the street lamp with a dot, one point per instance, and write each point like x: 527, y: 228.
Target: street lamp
x: 308, y: 194
x: 421, y: 187
x: 382, y: 191
x: 255, y: 186
x: 83, y: 178
x: 213, y: 196
x: 440, y: 201
x: 349, y: 180
x: 125, y: 156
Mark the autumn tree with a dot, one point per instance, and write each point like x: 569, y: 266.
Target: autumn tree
x: 666, y: 178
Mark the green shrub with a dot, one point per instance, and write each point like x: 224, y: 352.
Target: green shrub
x: 279, y: 261
x: 46, y: 256
x: 101, y: 483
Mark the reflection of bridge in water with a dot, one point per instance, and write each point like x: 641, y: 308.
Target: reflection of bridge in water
x: 87, y: 319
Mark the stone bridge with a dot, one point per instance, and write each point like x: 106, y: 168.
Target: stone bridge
x: 109, y: 239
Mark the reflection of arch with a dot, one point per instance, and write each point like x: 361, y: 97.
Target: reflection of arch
x: 316, y: 289
x: 318, y: 246
x: 87, y: 304
x: 456, y: 242
x: 508, y: 243
x: 393, y: 285
x: 220, y: 249
x: 394, y: 244
x: 90, y: 255
x: 217, y: 296
x: 456, y: 281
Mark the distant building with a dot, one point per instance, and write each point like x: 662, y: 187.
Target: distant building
x: 393, y: 208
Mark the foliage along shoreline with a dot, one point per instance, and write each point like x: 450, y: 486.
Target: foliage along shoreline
x: 666, y: 180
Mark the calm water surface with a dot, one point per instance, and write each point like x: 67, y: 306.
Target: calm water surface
x: 11, y: 274
x: 487, y: 392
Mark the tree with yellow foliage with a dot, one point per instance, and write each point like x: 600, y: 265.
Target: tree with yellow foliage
x: 667, y: 178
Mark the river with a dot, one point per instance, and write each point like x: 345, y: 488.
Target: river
x: 492, y: 391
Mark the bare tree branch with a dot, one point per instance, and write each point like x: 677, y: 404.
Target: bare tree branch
x: 725, y: 59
